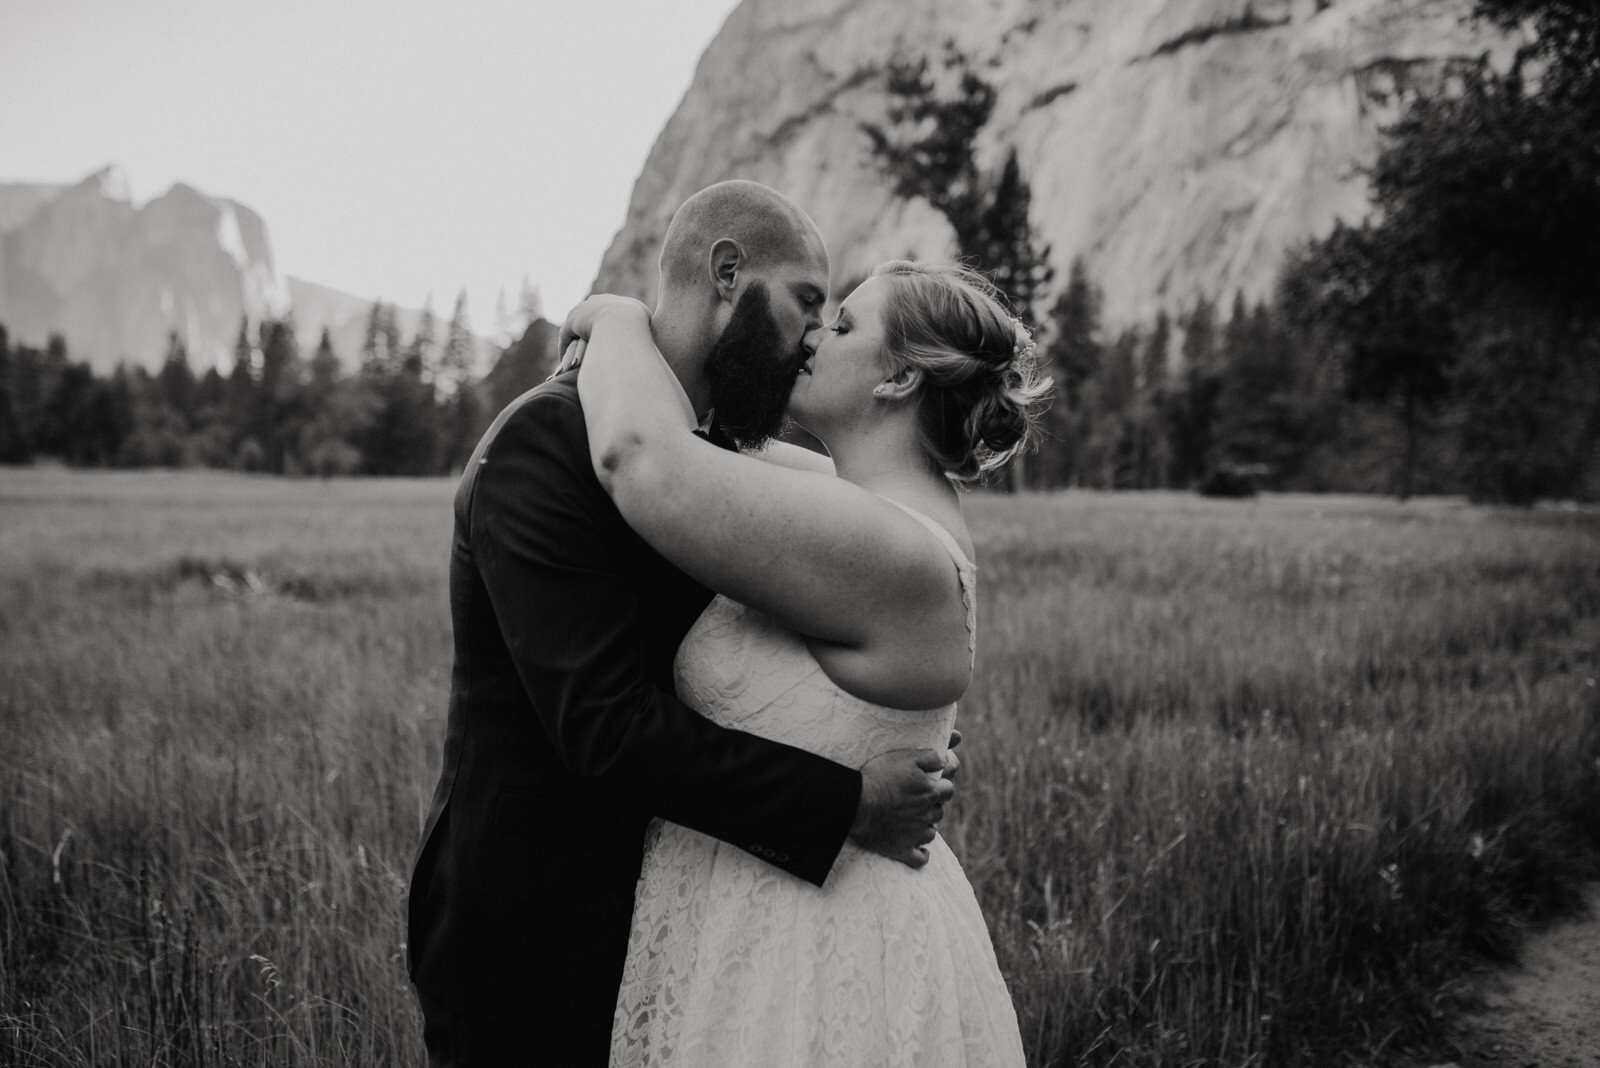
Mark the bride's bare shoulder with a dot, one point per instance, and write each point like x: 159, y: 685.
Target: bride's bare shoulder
x: 942, y: 508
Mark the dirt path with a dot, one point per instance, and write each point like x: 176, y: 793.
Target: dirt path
x: 1544, y: 1013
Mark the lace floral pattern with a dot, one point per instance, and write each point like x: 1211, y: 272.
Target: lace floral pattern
x: 733, y: 962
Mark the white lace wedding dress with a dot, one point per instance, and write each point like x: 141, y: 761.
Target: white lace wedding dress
x: 734, y: 962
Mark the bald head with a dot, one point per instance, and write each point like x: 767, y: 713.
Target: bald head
x: 769, y: 227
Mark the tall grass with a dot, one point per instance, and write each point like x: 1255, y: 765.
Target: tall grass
x: 1243, y: 783
x: 1249, y: 782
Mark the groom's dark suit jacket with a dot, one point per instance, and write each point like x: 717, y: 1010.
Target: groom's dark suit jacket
x: 564, y: 739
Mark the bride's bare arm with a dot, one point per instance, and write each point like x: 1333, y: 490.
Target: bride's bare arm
x: 821, y: 555
x: 798, y: 457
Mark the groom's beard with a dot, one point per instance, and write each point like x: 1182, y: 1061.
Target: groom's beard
x: 751, y: 371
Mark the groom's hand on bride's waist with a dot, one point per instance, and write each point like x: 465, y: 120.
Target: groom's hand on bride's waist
x: 903, y: 794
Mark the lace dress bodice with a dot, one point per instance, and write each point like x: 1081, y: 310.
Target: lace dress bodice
x: 734, y: 962
x: 742, y: 670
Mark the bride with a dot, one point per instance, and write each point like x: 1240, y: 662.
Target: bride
x: 845, y: 627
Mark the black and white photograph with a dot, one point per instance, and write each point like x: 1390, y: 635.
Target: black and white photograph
x: 800, y: 533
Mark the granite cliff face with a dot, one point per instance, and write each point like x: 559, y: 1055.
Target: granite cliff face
x: 1181, y: 147
x: 115, y: 278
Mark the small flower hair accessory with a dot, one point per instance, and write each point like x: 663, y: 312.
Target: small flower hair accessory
x: 1024, y: 343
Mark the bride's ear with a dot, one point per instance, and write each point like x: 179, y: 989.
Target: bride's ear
x: 899, y: 385
x: 726, y: 260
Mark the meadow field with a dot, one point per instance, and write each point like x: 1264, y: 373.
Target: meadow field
x: 1245, y: 783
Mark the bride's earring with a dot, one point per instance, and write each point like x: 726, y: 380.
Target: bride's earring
x: 881, y: 389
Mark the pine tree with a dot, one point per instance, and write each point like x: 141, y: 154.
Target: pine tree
x: 464, y: 418
x: 338, y: 413
x: 380, y: 348
x: 211, y: 393
x: 530, y: 306
x: 1155, y: 447
x: 113, y: 419
x: 937, y: 164
x: 1391, y: 316
x: 1010, y: 251
x: 420, y: 353
x: 1074, y: 350
x: 240, y: 404
x: 324, y: 367
x: 279, y: 357
x: 1191, y: 407
x: 178, y: 387
x: 1250, y: 438
x: 1153, y: 364
x: 1072, y: 357
x: 279, y: 399
x: 929, y: 152
x: 504, y: 328
x: 456, y: 363
x: 465, y: 412
x: 14, y: 445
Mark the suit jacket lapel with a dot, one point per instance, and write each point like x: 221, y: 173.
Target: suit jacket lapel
x: 718, y: 437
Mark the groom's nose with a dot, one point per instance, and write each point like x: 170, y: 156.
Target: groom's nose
x: 814, y: 317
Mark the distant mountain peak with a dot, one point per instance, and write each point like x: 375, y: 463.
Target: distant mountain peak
x: 111, y: 182
x: 228, y: 235
x: 115, y: 279
x: 183, y: 192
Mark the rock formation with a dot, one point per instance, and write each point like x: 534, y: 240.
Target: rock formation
x: 1181, y: 147
x: 114, y: 279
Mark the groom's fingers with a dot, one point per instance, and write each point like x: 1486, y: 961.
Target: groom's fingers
x: 912, y: 848
x: 914, y: 857
x: 903, y: 796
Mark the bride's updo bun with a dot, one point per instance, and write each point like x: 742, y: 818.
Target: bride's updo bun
x: 982, y: 394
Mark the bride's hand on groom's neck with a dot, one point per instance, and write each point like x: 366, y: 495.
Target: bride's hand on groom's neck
x: 579, y: 323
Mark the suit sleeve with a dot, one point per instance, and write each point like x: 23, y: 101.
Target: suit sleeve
x: 552, y: 550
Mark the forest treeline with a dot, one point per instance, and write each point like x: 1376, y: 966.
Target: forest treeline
x: 1448, y: 344
x: 411, y: 406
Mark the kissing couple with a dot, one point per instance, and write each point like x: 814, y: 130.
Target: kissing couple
x: 683, y: 828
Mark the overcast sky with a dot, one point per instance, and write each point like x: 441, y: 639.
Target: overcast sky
x: 394, y: 147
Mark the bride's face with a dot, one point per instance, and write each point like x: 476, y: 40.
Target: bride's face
x: 835, y: 384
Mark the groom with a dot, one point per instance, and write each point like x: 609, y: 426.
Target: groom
x: 564, y: 737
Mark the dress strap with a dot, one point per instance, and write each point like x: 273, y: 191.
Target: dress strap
x: 966, y: 570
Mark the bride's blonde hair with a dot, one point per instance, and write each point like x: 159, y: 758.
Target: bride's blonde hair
x: 982, y: 394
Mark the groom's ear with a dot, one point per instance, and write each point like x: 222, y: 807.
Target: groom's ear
x: 726, y: 261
